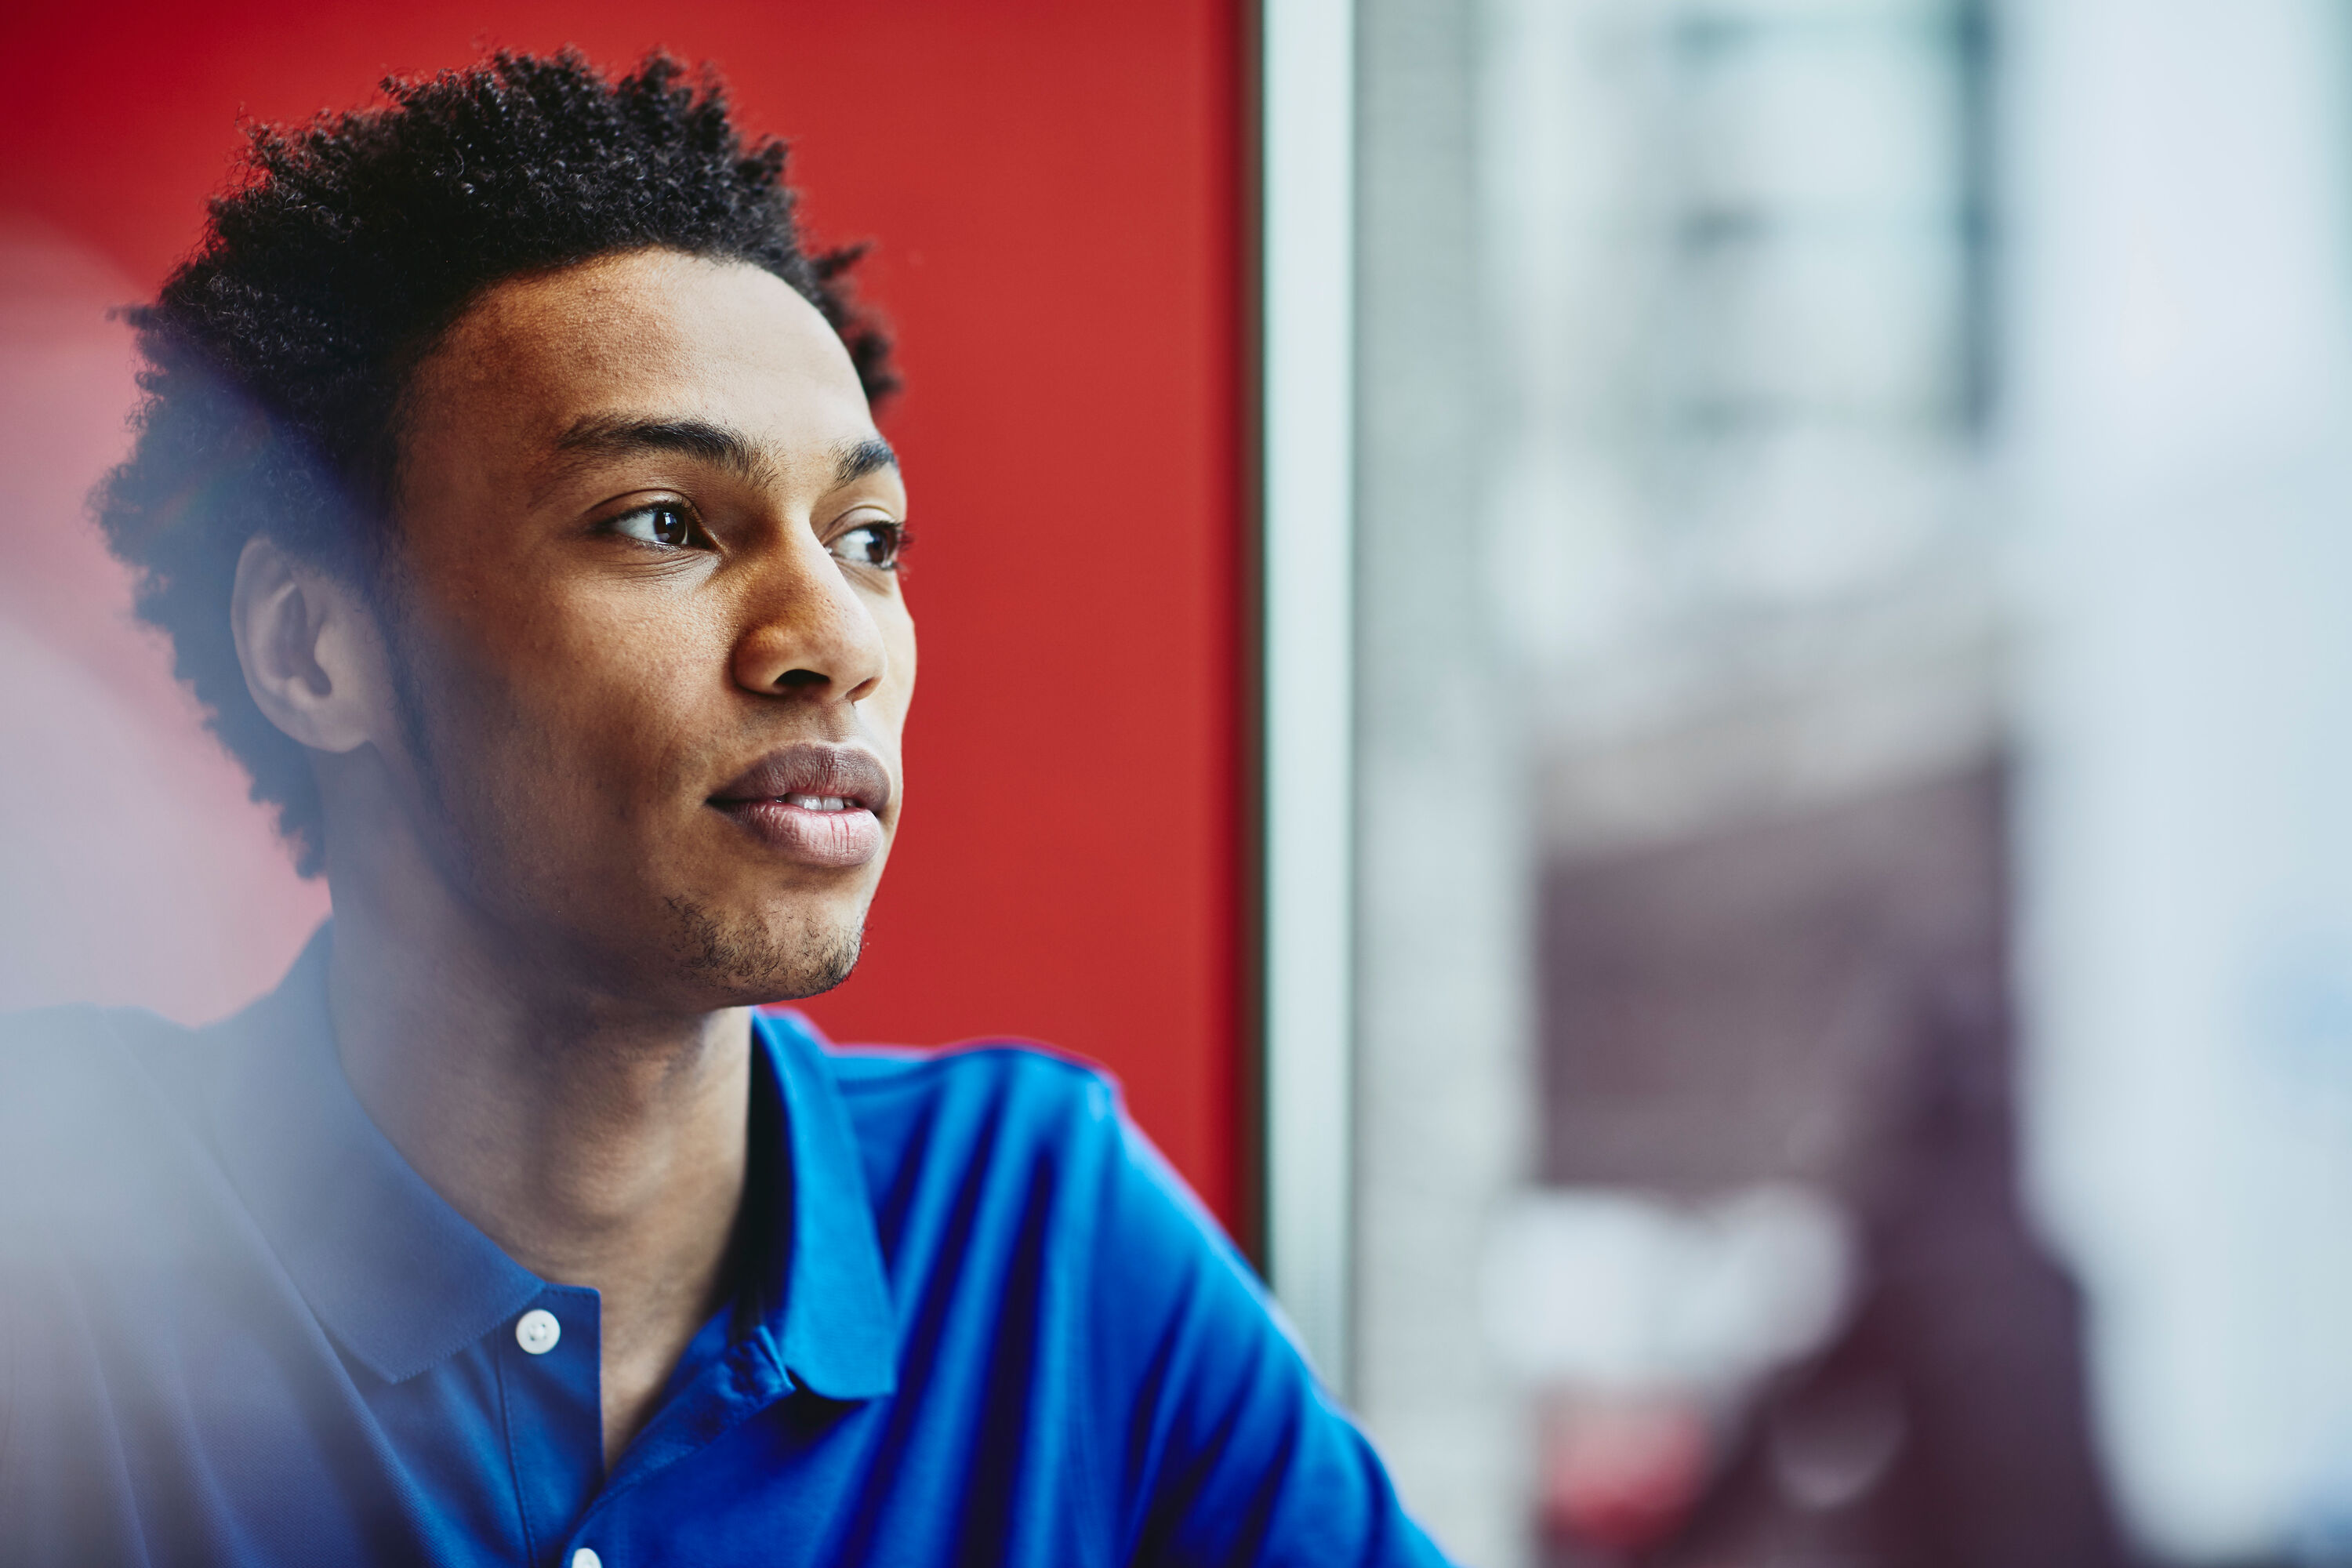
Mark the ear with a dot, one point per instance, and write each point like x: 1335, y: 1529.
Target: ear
x: 312, y: 655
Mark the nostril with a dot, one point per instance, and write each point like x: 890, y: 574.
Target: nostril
x: 798, y: 679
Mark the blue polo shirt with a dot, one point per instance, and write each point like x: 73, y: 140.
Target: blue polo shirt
x: 976, y: 1320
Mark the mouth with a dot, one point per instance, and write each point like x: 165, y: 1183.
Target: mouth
x: 815, y: 804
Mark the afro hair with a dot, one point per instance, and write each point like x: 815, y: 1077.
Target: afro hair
x: 276, y: 357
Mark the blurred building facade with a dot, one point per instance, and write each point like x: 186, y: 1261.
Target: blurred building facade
x: 2177, y: 458
x: 1850, y: 1058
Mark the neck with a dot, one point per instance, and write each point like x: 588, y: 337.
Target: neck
x: 597, y: 1142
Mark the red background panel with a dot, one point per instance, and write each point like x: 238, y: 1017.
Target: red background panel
x: 1053, y: 188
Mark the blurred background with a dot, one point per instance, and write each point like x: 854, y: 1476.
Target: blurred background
x: 1876, y: 472
x: 1711, y: 689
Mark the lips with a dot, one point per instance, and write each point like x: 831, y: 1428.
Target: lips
x: 818, y: 805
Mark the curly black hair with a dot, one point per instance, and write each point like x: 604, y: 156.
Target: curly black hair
x: 277, y: 354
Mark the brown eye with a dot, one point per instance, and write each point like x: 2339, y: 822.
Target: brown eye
x: 873, y: 544
x: 661, y: 523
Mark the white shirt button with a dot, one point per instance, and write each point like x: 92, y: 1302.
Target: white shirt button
x: 535, y: 1331
x: 586, y: 1558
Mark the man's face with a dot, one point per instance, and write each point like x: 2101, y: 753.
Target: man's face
x: 652, y: 654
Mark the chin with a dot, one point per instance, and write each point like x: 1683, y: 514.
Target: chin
x: 750, y: 958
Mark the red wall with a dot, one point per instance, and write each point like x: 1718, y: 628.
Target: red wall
x: 1052, y: 186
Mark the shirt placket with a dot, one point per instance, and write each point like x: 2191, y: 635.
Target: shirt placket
x: 551, y: 1381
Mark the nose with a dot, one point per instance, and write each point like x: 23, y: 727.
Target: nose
x: 807, y: 632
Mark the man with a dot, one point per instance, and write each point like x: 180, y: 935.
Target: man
x: 510, y: 490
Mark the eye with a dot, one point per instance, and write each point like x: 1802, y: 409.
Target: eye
x: 665, y: 523
x: 873, y: 544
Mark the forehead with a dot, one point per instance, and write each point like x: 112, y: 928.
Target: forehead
x: 649, y: 333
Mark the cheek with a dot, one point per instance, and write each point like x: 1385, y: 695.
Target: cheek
x: 899, y: 639
x: 589, y: 699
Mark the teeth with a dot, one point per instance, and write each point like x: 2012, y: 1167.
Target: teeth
x: 817, y: 802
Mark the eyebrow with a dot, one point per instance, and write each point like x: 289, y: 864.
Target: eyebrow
x: 855, y: 459
x: 622, y: 437
x: 720, y: 446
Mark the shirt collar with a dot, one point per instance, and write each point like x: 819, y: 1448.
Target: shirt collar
x: 403, y: 1280
x: 837, y: 1332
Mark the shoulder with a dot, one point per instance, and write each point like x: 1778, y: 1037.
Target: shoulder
x: 1009, y: 1125
x: 59, y: 1035
x: 46, y: 1035
x: 1018, y: 1077
x: 91, y: 1098
x: 57, y: 1057
x: 1016, y: 1094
